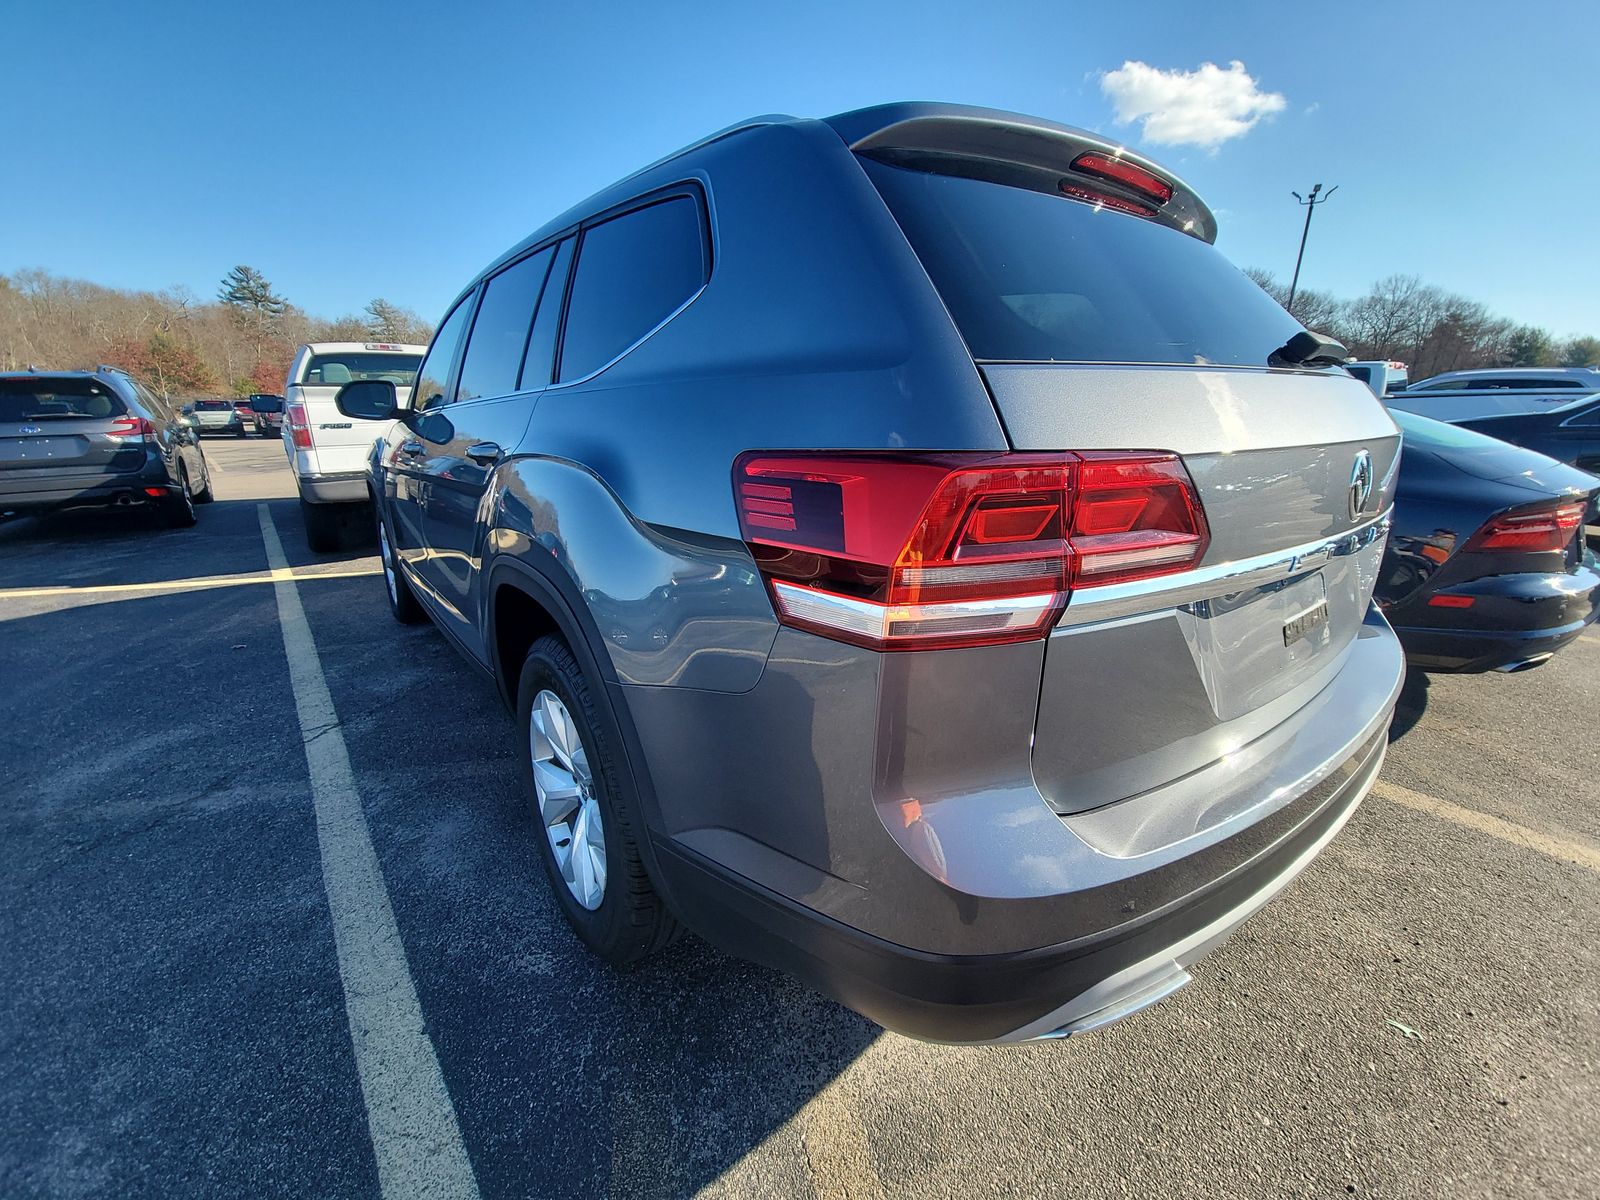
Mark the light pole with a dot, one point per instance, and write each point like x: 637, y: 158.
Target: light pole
x: 1310, y: 204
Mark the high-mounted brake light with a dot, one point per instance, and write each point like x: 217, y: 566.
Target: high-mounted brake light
x: 1101, y: 200
x: 1119, y: 170
x: 1530, y: 530
x: 132, y: 429
x: 299, y: 427
x: 929, y: 551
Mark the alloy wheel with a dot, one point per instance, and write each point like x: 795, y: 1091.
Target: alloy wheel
x: 568, y: 808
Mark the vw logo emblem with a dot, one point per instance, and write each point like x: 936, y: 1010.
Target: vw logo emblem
x: 1360, y: 483
x: 27, y: 429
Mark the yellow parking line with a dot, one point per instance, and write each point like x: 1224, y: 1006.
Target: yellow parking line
x: 188, y: 585
x: 1572, y: 848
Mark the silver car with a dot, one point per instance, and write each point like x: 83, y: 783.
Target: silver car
x: 916, y: 559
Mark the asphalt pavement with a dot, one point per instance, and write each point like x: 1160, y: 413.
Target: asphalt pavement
x: 182, y: 1010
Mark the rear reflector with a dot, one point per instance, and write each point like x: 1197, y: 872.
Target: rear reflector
x: 1530, y: 530
x: 155, y: 491
x: 299, y: 427
x: 926, y: 551
x: 1118, y: 170
x: 1443, y: 601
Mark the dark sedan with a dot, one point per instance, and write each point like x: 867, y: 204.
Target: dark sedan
x: 1569, y: 434
x: 1486, y: 567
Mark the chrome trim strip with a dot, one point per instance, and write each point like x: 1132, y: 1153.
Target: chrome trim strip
x: 1093, y: 604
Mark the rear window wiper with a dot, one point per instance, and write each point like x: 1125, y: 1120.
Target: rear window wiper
x: 1308, y: 349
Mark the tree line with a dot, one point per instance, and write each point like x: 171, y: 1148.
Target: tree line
x: 1429, y: 329
x: 177, y: 343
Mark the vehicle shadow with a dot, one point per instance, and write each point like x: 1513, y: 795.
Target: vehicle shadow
x: 568, y: 1078
x: 1412, y: 704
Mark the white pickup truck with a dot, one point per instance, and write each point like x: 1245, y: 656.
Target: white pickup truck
x: 328, y: 450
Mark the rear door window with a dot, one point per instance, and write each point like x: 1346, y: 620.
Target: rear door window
x: 500, y: 330
x: 539, y: 365
x: 633, y: 272
x: 1036, y: 277
x: 46, y: 399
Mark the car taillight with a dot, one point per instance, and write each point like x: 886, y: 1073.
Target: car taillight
x: 1530, y: 530
x: 299, y: 427
x: 132, y: 429
x: 927, y: 551
x: 1119, y: 170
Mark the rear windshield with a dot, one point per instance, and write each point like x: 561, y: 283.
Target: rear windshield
x: 398, y: 369
x: 1035, y: 277
x: 213, y: 405
x: 57, y: 400
x: 1427, y: 434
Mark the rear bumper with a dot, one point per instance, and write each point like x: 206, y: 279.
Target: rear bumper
x: 1052, y: 991
x: 346, y: 487
x: 101, y: 491
x: 1513, y: 619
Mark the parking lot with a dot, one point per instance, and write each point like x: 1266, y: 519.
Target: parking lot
x: 1419, y: 1015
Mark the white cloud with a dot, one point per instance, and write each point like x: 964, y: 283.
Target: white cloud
x: 1204, y: 107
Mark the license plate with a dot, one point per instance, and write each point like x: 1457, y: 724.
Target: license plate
x: 1305, y: 622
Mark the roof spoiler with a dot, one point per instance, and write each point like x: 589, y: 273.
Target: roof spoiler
x: 922, y: 134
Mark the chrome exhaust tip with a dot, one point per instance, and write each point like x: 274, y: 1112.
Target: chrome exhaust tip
x: 1525, y: 664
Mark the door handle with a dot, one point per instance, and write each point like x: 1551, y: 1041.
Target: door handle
x: 412, y: 448
x: 484, y: 453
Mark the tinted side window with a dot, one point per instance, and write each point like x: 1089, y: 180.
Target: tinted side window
x: 500, y: 330
x: 434, y: 373
x: 539, y: 366
x: 632, y: 272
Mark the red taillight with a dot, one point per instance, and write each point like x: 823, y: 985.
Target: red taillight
x: 1118, y: 170
x: 929, y: 551
x: 1530, y: 530
x: 299, y: 427
x: 1444, y: 600
x: 132, y: 429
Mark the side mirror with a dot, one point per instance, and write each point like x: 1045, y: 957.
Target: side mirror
x: 368, y: 400
x: 266, y: 404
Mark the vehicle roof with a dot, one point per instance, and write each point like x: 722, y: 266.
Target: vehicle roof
x: 1527, y: 372
x: 872, y: 127
x: 365, y: 347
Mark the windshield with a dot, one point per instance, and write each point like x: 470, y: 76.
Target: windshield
x: 339, y: 369
x: 1427, y: 434
x: 1035, y: 277
x: 57, y: 399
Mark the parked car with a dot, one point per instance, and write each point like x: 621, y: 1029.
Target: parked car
x: 903, y: 563
x: 1500, y: 391
x: 1382, y: 377
x: 1569, y: 433
x: 327, y: 451
x: 82, y: 439
x: 215, y: 416
x: 1519, y: 379
x: 266, y: 413
x: 1486, y: 567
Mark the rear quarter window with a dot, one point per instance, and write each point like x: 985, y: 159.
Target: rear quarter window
x: 1034, y: 277
x: 633, y: 272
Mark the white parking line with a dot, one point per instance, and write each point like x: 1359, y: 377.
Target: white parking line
x: 409, y: 1114
x: 186, y: 585
x: 1570, y: 849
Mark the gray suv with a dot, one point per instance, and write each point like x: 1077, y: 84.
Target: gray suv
x: 84, y: 439
x: 917, y: 560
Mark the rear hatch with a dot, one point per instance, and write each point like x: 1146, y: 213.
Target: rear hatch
x: 1100, y: 326
x: 60, y: 431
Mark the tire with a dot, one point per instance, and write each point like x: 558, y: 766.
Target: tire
x: 208, y: 493
x: 239, y: 432
x: 627, y: 921
x: 179, y: 509
x: 403, y: 602
x: 322, y: 526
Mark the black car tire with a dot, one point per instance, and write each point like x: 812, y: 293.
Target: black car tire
x: 403, y: 602
x: 322, y: 526
x: 179, y: 509
x: 631, y: 921
x: 239, y: 432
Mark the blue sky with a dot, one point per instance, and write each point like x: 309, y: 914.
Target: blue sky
x: 166, y: 142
